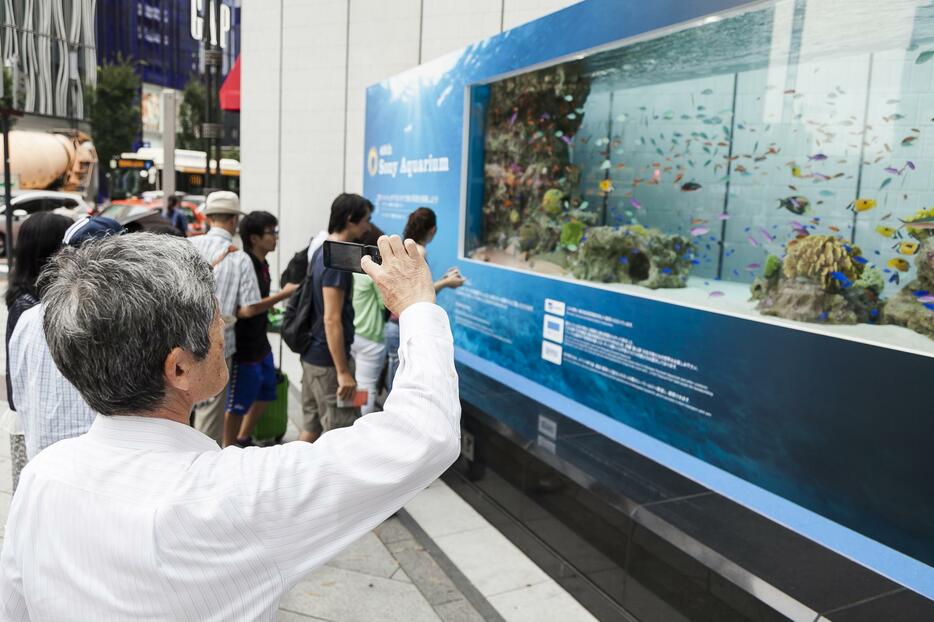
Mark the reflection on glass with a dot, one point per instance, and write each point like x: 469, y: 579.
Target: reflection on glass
x: 776, y: 162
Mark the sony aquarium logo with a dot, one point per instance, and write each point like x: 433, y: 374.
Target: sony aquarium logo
x: 381, y: 162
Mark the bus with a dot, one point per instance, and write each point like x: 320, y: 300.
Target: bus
x: 138, y: 172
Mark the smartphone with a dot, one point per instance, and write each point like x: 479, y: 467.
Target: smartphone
x: 359, y: 399
x: 347, y: 255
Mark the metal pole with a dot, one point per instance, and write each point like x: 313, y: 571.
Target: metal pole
x: 168, y: 144
x: 217, y: 85
x: 7, y: 190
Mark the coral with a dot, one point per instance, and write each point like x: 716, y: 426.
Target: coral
x: 773, y: 266
x: 571, y: 234
x: 809, y: 287
x: 816, y: 257
x: 920, y: 234
x: 872, y: 279
x: 633, y: 254
x: 904, y: 309
x: 551, y: 202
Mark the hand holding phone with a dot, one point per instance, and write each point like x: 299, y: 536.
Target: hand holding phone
x: 347, y: 255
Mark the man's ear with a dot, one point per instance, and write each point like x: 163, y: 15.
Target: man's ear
x: 178, y: 369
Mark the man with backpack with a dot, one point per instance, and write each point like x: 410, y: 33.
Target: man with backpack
x: 328, y: 384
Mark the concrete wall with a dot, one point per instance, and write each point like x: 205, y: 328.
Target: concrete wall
x: 308, y: 147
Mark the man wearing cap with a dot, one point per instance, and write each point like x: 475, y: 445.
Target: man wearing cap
x: 49, y: 407
x: 237, y: 292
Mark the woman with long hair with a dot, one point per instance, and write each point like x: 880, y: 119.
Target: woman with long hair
x: 39, y: 238
x: 421, y: 227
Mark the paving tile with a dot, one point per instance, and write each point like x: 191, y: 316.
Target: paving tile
x: 432, y: 582
x: 346, y: 596
x: 367, y: 555
x: 399, y: 575
x: 410, y: 544
x: 439, y: 511
x: 392, y: 530
x: 458, y: 611
x: 489, y: 561
x: 543, y: 601
x: 291, y: 616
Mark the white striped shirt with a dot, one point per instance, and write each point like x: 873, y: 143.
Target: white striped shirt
x: 49, y: 407
x: 234, y: 279
x: 147, y: 519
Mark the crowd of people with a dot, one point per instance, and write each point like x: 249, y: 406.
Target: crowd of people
x: 117, y: 343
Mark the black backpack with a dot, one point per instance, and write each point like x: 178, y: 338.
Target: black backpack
x: 298, y: 319
x: 296, y: 270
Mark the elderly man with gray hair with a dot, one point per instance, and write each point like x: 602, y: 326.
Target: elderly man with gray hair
x: 145, y: 517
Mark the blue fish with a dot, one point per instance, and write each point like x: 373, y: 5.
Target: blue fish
x: 873, y: 313
x: 859, y: 259
x: 921, y: 292
x: 929, y: 306
x: 624, y: 260
x: 844, y: 281
x: 666, y: 270
x: 823, y: 316
x: 696, y: 262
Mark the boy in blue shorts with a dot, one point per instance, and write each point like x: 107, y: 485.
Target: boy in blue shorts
x: 253, y: 374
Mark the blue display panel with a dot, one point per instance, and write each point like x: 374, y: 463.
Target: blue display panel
x: 820, y: 426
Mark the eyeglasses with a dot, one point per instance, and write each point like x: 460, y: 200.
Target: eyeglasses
x: 271, y: 231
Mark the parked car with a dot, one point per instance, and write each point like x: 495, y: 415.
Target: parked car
x: 190, y: 205
x: 136, y: 217
x: 29, y: 202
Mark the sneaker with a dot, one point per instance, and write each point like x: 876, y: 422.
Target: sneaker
x: 244, y: 442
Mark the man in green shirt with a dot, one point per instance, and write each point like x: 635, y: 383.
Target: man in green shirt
x: 369, y: 347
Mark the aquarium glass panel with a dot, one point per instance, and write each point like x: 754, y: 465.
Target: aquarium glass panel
x: 776, y: 162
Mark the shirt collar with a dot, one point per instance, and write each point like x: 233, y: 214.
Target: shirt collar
x: 220, y: 233
x: 149, y: 433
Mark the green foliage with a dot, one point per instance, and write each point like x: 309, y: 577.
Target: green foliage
x: 113, y: 109
x: 773, y: 266
x: 191, y: 116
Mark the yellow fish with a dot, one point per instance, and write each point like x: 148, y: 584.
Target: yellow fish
x: 864, y: 205
x: 899, y: 264
x: 796, y: 171
x: 513, y: 216
x: 907, y: 248
x: 606, y: 186
x: 886, y: 231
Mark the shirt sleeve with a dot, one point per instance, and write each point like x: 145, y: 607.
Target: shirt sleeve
x: 12, y: 596
x: 306, y: 502
x: 248, y: 287
x: 337, y: 278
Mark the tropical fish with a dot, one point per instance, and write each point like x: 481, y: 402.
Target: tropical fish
x: 863, y: 205
x: 817, y: 157
x: 921, y: 223
x: 606, y: 185
x: 795, y: 205
x: 512, y: 119
x: 887, y: 232
x: 752, y: 241
x: 723, y: 216
x: 929, y: 306
x: 635, y: 204
x: 885, y: 182
x: 842, y: 278
x: 666, y: 270
x: 753, y: 267
x: 908, y: 141
x: 920, y: 293
x: 796, y: 171
x: 699, y: 231
x: 690, y: 186
x: 768, y: 236
x: 898, y: 264
x: 860, y: 259
x: 907, y: 248
x: 707, y: 92
x: 926, y: 299
x: 716, y: 294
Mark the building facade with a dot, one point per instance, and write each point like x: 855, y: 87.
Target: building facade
x: 49, y: 51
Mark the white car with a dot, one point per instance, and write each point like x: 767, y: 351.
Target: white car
x: 29, y: 202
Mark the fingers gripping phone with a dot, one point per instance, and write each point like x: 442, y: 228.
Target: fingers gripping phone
x: 347, y: 255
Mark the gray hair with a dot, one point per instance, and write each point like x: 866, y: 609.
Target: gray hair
x: 115, y: 308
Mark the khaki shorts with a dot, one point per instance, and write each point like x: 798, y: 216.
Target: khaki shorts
x: 320, y: 412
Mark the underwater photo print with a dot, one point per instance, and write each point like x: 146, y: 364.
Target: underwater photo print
x: 768, y: 163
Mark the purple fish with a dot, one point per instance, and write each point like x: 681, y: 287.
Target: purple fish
x: 512, y: 119
x: 768, y: 236
x: 817, y: 157
x: 753, y: 266
x: 753, y: 241
x: 891, y: 170
x: 566, y: 139
x: 910, y: 164
x: 723, y: 217
x: 699, y: 230
x: 635, y: 204
x: 926, y: 299
x: 716, y: 294
x: 821, y: 176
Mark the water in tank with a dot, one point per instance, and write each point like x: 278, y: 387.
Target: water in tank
x: 777, y: 161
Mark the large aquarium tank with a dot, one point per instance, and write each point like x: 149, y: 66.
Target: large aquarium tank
x: 777, y: 162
